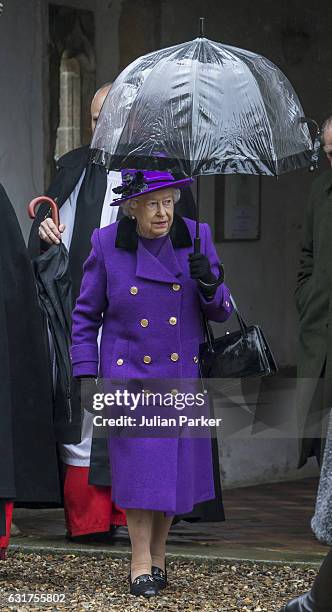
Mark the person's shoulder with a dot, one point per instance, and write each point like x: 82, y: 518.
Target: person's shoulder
x: 76, y: 157
x: 107, y: 234
x: 191, y: 225
x: 323, y: 181
x: 109, y: 230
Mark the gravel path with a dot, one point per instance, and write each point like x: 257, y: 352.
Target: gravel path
x: 99, y: 583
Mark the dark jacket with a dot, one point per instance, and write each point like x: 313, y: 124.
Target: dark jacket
x: 314, y: 305
x: 28, y: 459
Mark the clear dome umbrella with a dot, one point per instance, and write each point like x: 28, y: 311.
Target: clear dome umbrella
x: 202, y: 108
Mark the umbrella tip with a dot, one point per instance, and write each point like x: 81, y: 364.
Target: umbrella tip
x: 201, y: 27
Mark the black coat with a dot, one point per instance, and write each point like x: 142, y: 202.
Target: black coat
x: 314, y: 305
x: 28, y: 458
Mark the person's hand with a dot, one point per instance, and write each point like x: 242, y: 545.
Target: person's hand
x: 200, y: 268
x: 49, y: 232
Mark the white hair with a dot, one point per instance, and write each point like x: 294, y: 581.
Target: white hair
x: 129, y: 205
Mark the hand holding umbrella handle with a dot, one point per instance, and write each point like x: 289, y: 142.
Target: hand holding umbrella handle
x: 53, y: 206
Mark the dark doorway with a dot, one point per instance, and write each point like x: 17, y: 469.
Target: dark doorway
x: 72, y: 80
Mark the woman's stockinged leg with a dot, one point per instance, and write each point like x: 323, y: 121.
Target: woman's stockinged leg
x: 140, y: 529
x: 160, y: 528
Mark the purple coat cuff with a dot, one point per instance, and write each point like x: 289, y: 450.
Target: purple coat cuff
x: 220, y: 307
x: 86, y: 368
x: 85, y: 359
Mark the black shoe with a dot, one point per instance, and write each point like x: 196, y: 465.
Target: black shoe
x: 159, y: 576
x: 303, y: 603
x: 143, y: 585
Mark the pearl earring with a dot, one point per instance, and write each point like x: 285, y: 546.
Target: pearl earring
x: 133, y: 217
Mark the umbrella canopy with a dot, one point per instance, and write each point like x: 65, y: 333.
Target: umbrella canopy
x: 54, y: 291
x: 202, y: 108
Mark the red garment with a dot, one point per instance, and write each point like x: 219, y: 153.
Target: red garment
x: 88, y: 509
x: 4, y: 540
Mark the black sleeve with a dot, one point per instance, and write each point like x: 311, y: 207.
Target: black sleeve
x: 36, y: 246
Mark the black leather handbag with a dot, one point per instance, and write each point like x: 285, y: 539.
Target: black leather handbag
x: 238, y: 354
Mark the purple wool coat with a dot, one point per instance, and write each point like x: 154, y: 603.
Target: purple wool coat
x: 150, y: 310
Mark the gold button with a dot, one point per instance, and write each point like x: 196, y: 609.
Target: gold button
x: 133, y: 290
x: 195, y: 359
x: 172, y: 320
x: 144, y: 322
x: 176, y: 287
x: 174, y: 356
x: 147, y: 359
x: 119, y: 361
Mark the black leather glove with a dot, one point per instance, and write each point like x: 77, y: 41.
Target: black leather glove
x: 200, y: 270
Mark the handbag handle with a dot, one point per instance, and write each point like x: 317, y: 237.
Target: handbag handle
x: 209, y: 332
x: 242, y: 323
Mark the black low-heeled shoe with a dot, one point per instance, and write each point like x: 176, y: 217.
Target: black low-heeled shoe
x: 143, y: 585
x: 304, y: 603
x: 160, y: 576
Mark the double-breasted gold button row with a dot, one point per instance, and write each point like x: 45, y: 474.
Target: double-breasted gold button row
x: 171, y: 321
x: 173, y: 357
x: 147, y: 359
x: 134, y: 290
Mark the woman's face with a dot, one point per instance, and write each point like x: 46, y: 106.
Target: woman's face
x: 154, y: 213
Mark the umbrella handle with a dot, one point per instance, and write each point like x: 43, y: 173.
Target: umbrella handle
x: 53, y: 206
x: 197, y: 245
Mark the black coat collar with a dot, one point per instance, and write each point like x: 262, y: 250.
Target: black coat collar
x: 127, y: 237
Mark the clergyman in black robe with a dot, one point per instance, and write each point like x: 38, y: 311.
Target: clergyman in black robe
x: 29, y: 472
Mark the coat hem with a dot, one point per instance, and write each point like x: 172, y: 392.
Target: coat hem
x: 169, y: 511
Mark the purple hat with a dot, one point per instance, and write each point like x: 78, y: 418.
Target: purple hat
x: 138, y: 182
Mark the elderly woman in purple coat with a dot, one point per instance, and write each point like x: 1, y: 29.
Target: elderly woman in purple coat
x: 148, y: 290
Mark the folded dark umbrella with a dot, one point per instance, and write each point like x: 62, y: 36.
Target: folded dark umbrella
x: 54, y: 291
